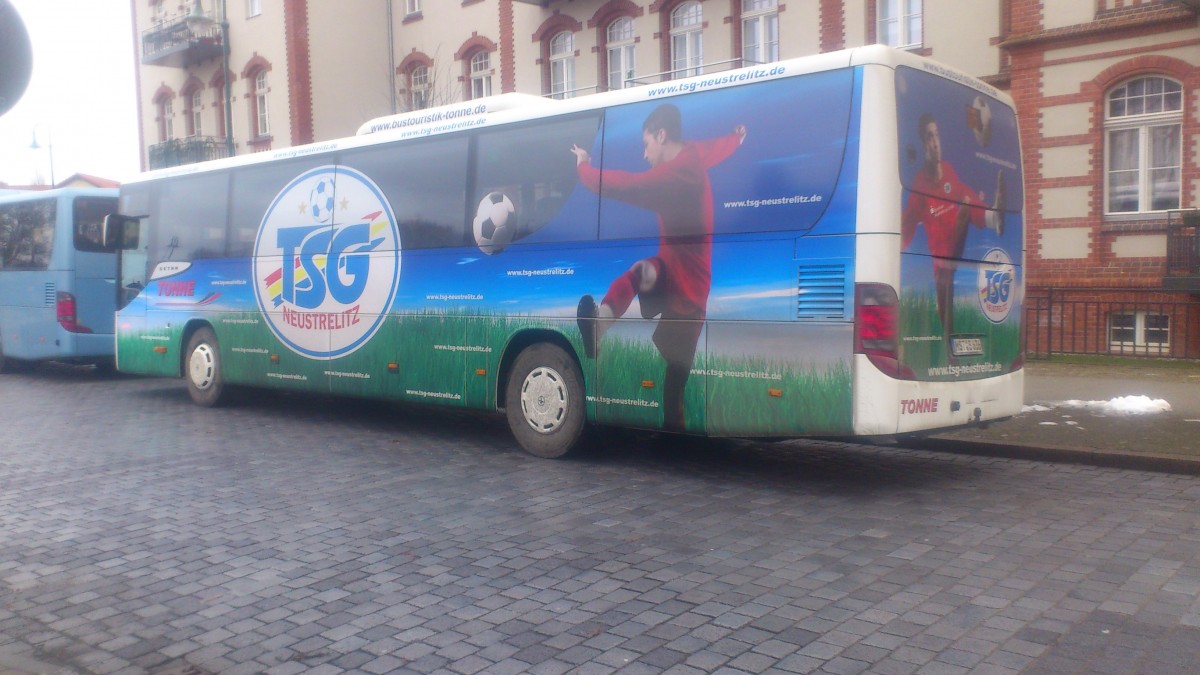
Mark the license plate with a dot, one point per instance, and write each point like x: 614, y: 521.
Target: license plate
x: 966, y: 346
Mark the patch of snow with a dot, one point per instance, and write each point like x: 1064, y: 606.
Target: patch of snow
x: 1122, y: 405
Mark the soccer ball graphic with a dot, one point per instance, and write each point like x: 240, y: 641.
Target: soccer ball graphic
x: 495, y: 219
x: 980, y: 115
x: 321, y: 200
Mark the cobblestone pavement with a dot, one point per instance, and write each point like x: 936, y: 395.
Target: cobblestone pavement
x: 139, y: 533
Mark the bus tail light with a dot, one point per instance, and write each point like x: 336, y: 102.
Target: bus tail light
x: 64, y: 308
x: 876, y: 333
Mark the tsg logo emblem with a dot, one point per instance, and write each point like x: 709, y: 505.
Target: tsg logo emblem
x: 997, y: 285
x: 327, y: 262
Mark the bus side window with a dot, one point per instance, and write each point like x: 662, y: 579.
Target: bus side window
x: 89, y: 222
x: 27, y: 234
x: 191, y: 217
x: 424, y: 184
x: 534, y: 167
x: 254, y: 190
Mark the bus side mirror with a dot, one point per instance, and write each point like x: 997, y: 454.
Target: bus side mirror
x: 120, y: 232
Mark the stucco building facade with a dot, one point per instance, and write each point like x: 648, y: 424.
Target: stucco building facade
x: 1106, y: 91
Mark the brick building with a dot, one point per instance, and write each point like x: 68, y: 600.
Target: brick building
x: 1106, y: 91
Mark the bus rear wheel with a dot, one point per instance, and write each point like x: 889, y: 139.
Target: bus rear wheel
x: 202, y: 368
x: 544, y: 401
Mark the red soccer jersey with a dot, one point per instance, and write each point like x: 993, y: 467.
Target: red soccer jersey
x: 939, y: 214
x: 680, y: 193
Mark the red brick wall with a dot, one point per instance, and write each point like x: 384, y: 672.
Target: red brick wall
x: 1027, y: 46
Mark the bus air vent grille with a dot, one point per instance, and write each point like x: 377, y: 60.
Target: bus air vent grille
x: 51, y: 295
x: 821, y: 292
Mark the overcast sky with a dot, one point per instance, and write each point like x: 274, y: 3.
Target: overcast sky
x: 81, y: 98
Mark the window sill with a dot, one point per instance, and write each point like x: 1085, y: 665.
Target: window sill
x: 1134, y: 222
x: 409, y: 18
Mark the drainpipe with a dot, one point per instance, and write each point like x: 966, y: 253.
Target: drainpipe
x: 391, y: 47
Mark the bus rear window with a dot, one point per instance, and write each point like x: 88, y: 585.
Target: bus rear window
x: 89, y: 223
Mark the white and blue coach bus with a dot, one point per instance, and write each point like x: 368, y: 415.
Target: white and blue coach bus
x: 830, y: 245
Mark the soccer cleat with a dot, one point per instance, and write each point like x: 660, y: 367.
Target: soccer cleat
x: 587, y: 326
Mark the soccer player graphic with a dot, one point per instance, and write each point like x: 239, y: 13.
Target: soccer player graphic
x: 673, y: 284
x: 945, y: 218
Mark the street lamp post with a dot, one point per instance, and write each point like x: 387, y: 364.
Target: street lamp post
x: 33, y: 145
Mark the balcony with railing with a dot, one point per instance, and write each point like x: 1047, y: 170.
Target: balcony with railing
x: 1183, y: 251
x: 180, y: 151
x: 180, y: 43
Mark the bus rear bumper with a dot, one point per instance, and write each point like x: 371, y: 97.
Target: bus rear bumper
x: 886, y: 406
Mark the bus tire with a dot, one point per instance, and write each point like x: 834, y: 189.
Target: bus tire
x: 544, y: 401
x: 202, y: 368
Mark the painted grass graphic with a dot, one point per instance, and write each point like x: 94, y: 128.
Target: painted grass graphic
x: 437, y: 356
x: 812, y: 400
x: 919, y: 318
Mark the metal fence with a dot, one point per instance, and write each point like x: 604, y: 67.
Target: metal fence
x: 180, y: 151
x: 1155, y: 324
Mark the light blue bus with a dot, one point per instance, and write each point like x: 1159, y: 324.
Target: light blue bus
x: 57, y: 278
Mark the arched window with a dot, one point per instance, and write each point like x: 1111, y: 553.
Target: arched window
x: 1143, y: 145
x: 418, y: 87
x: 760, y: 31
x: 260, y: 112
x: 562, y: 65
x: 619, y: 39
x: 217, y: 86
x: 899, y: 23
x: 194, y: 116
x: 687, y: 40
x: 481, y: 75
x: 166, y: 118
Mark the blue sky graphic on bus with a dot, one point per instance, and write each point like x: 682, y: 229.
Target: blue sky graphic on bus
x: 776, y: 180
x: 961, y: 226
x: 327, y: 262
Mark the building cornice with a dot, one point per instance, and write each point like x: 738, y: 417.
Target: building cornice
x: 1105, y: 24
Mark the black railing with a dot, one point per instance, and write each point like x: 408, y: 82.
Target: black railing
x: 180, y: 151
x: 178, y: 44
x: 1183, y: 251
x: 1143, y: 323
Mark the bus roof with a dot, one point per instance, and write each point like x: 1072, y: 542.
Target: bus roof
x: 516, y: 107
x: 16, y: 196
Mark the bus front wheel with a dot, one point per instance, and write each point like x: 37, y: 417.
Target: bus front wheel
x: 544, y: 401
x: 203, y: 368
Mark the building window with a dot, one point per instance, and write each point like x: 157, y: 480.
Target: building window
x: 687, y: 40
x: 418, y: 87
x: 262, y: 119
x: 1139, y: 332
x: 760, y: 31
x: 413, y: 7
x: 166, y: 119
x: 253, y: 8
x: 1144, y: 151
x: 900, y: 23
x: 195, y: 121
x: 620, y: 41
x: 218, y: 86
x: 562, y: 65
x: 481, y: 75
